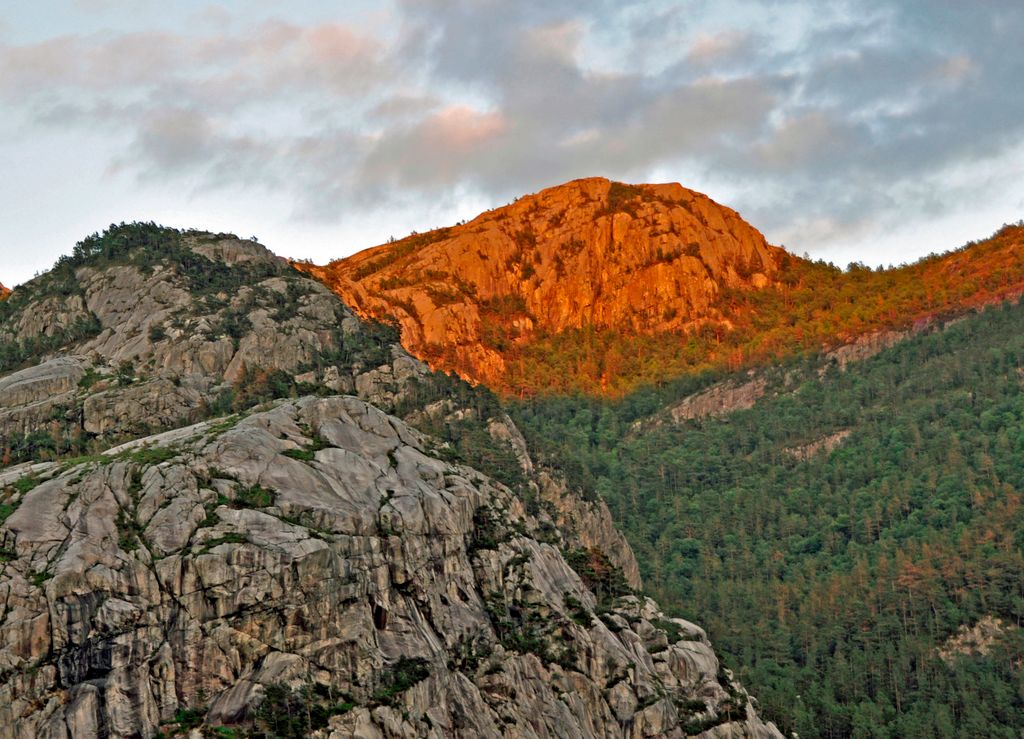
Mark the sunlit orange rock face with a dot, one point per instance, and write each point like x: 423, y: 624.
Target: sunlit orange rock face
x: 598, y: 287
x: 643, y: 259
x: 4, y: 291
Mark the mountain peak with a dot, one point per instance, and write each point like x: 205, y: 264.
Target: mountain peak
x: 599, y: 287
x: 144, y: 326
x: 590, y: 254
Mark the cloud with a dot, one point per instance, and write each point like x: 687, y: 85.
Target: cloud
x: 805, y: 139
x: 403, y: 106
x: 436, y: 152
x: 957, y: 69
x: 709, y: 48
x: 828, y: 119
x: 174, y: 139
x: 271, y: 62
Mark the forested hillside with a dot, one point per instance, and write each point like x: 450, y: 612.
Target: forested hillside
x: 812, y: 305
x: 841, y: 584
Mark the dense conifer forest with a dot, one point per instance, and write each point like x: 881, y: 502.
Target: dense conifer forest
x: 838, y: 583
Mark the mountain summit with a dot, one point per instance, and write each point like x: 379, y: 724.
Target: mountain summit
x: 591, y: 254
x: 599, y: 287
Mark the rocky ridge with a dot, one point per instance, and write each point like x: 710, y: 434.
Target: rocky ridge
x: 590, y: 253
x: 310, y: 552
x: 319, y: 545
x: 95, y: 352
x: 601, y: 288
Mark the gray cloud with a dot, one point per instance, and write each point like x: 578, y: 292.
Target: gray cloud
x: 831, y: 120
x: 885, y: 105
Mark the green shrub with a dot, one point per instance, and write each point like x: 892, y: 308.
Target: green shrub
x: 231, y: 538
x: 601, y: 577
x: 489, y: 530
x: 308, y: 452
x: 292, y: 714
x: 253, y: 497
x: 149, y: 456
x: 25, y: 484
x: 672, y: 630
x: 90, y: 378
x: 404, y: 674
x: 577, y: 611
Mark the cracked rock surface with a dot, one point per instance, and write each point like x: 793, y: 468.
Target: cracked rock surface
x: 319, y: 543
x: 162, y: 350
x: 250, y: 537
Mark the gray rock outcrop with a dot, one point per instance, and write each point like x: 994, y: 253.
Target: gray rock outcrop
x: 238, y: 560
x: 163, y: 352
x: 319, y: 545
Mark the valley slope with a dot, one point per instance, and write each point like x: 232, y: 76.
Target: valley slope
x: 852, y: 531
x: 826, y: 461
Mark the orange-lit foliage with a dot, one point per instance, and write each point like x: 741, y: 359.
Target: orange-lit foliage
x: 815, y: 305
x: 508, y: 327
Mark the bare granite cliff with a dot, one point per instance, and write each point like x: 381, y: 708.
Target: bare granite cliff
x: 319, y: 546
x: 228, y: 505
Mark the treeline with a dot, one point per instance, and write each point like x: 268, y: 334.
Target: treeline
x: 830, y: 583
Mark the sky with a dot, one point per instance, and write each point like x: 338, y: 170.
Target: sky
x: 875, y: 131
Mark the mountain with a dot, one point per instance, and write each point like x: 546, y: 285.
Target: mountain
x: 849, y: 525
x: 230, y: 507
x: 600, y: 287
x: 145, y: 329
x: 588, y: 255
x: 822, y: 464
